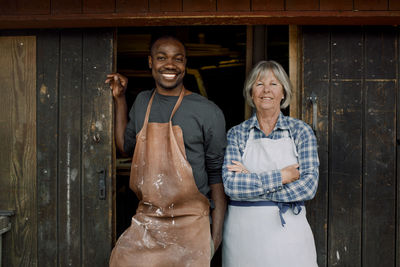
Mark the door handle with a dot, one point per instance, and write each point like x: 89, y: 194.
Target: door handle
x: 313, y: 98
x: 102, y: 184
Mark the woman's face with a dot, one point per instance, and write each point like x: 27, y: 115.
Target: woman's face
x: 267, y: 92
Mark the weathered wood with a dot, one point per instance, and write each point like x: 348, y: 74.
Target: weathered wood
x: 302, y: 4
x: 69, y: 147
x: 379, y: 181
x: 295, y: 70
x: 233, y: 5
x: 394, y: 5
x: 47, y: 139
x: 370, y: 4
x: 98, y: 6
x: 315, y: 78
x: 158, y: 17
x: 66, y: 6
x: 336, y: 5
x: 97, y: 119
x: 126, y: 6
x: 199, y: 5
x: 261, y: 5
x: 249, y: 65
x: 345, y: 160
x: 18, y: 146
x: 164, y: 5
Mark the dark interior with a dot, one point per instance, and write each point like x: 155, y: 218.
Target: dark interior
x: 216, y: 68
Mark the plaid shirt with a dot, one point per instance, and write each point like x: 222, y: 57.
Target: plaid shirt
x: 268, y: 185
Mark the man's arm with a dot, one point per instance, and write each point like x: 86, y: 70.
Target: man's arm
x: 118, y: 84
x: 218, y: 213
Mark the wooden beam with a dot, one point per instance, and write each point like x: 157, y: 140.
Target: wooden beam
x: 294, y: 70
x: 201, y: 18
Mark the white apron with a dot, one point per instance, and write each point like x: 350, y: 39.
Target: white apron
x: 254, y: 235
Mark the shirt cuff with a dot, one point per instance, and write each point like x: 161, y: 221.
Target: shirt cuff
x: 272, y: 181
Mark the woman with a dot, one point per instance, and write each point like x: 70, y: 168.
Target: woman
x: 270, y: 167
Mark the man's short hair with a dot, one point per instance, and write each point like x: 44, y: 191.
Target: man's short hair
x: 164, y: 37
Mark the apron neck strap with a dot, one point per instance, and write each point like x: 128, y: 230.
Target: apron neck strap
x: 178, y: 103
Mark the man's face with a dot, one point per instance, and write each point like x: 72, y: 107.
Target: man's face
x: 168, y: 63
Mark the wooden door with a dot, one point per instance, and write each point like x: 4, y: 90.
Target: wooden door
x: 66, y: 219
x: 354, y: 74
x: 18, y: 148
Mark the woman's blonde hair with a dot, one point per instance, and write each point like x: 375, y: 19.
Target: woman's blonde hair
x: 262, y: 68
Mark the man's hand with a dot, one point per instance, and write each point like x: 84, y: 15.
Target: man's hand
x: 118, y: 84
x: 290, y: 173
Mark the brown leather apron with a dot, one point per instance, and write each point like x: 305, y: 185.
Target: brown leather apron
x: 171, y: 226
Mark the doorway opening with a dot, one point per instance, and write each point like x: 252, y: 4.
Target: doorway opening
x: 216, y: 69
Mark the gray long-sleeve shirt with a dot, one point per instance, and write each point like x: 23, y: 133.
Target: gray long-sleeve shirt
x: 203, y: 127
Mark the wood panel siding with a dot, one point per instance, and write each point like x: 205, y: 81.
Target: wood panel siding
x: 165, y: 5
x: 111, y: 13
x: 300, y: 5
x: 371, y: 4
x: 233, y: 5
x: 199, y: 5
x: 66, y: 6
x: 265, y: 5
x: 61, y: 218
x: 18, y: 148
x: 336, y: 5
x: 354, y: 73
x: 132, y: 6
x: 48, y: 54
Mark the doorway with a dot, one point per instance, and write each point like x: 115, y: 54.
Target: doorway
x: 218, y: 59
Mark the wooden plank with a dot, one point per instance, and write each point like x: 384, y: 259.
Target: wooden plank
x: 315, y: 78
x: 371, y: 4
x: 295, y: 70
x: 69, y: 147
x: 47, y: 121
x: 379, y: 183
x: 345, y: 183
x: 394, y: 5
x: 164, y: 5
x: 336, y: 5
x: 157, y: 17
x: 233, y: 5
x: 398, y: 159
x: 199, y: 5
x: 99, y: 6
x: 267, y: 5
x: 8, y: 7
x: 97, y: 143
x: 33, y: 7
x: 18, y: 146
x: 126, y: 6
x: 249, y: 65
x: 302, y: 5
x: 66, y: 6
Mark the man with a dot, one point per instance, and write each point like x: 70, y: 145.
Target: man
x: 178, y: 139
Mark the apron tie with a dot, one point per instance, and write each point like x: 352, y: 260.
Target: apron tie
x: 283, y: 206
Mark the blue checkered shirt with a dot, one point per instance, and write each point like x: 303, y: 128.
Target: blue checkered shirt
x: 268, y: 185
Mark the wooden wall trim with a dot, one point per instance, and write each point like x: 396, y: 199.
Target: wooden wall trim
x: 201, y: 18
x: 295, y: 70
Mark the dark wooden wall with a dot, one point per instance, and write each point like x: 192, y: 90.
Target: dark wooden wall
x: 139, y: 6
x: 108, y: 13
x: 71, y: 223
x: 354, y: 71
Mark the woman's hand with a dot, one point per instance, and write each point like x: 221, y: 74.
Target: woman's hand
x: 290, y: 173
x: 237, y: 166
